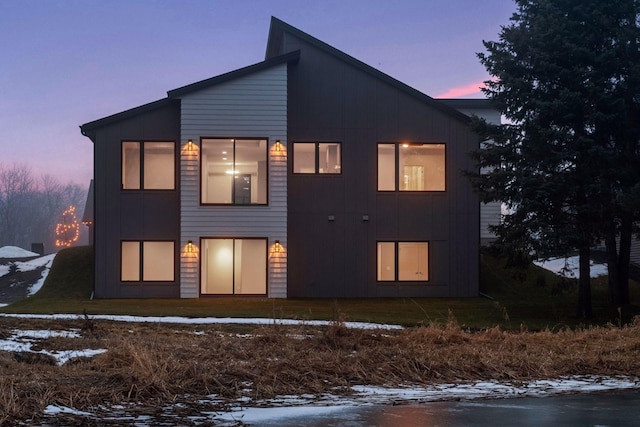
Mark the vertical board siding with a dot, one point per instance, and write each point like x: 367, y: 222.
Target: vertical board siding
x: 250, y: 106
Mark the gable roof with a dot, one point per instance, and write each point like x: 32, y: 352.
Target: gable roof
x: 173, y: 96
x: 274, y: 46
x: 291, y: 57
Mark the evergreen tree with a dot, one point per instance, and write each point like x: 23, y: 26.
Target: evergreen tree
x: 566, y: 76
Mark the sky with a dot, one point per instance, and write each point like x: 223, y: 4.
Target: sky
x: 64, y: 63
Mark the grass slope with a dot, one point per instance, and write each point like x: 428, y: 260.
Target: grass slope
x: 533, y: 298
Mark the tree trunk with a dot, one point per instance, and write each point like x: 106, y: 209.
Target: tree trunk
x: 612, y: 261
x: 584, y: 283
x: 624, y: 258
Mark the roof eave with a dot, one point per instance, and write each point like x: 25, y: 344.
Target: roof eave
x: 291, y: 57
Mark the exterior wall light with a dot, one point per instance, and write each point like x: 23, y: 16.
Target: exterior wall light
x: 190, y: 147
x: 190, y: 247
x: 278, y: 146
x: 277, y: 247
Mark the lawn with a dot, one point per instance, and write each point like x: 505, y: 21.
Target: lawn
x: 513, y: 299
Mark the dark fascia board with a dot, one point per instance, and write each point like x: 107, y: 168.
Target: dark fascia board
x: 89, y: 129
x: 291, y: 57
x: 278, y: 26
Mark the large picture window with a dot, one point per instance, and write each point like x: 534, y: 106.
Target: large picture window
x: 411, y: 167
x: 403, y: 261
x: 147, y: 261
x: 234, y: 267
x: 148, y: 165
x: 317, y: 158
x: 234, y: 171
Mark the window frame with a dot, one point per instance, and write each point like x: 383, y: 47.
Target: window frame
x: 141, y: 261
x: 316, y: 158
x: 396, y: 164
x: 396, y: 257
x: 233, y: 294
x: 141, y: 165
x: 234, y: 139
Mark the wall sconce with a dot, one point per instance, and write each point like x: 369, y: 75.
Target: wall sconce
x: 277, y: 247
x: 190, y: 247
x: 190, y: 147
x: 278, y: 146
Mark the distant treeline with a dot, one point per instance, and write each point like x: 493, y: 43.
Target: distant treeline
x: 31, y: 206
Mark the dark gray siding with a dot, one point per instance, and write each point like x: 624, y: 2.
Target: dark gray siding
x: 331, y: 100
x: 133, y: 215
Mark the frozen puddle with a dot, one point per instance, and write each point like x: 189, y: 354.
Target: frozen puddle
x: 287, y: 409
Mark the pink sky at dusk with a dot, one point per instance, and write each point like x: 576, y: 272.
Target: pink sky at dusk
x: 67, y: 62
x: 471, y: 90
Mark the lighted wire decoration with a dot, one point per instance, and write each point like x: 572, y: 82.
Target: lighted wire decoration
x: 68, y: 230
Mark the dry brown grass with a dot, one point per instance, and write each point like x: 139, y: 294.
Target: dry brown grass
x: 155, y: 365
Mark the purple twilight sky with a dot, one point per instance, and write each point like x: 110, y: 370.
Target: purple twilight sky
x: 67, y: 62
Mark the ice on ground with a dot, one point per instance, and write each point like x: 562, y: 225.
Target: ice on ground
x: 569, y: 267
x: 15, y: 252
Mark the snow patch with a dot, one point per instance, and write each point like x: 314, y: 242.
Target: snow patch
x: 23, y: 340
x: 15, y: 252
x: 569, y: 267
x: 205, y: 320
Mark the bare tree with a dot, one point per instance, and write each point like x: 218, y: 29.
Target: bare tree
x: 30, y: 208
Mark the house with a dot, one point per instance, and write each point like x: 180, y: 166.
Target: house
x: 309, y: 174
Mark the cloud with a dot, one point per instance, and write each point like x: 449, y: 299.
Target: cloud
x: 456, y: 92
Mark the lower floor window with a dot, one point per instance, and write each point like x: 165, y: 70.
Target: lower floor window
x: 234, y: 266
x: 403, y: 261
x: 147, y: 261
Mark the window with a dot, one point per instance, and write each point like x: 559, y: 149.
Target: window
x: 147, y: 261
x: 148, y: 165
x: 234, y: 266
x: 234, y: 171
x: 411, y: 167
x: 317, y: 158
x: 403, y: 261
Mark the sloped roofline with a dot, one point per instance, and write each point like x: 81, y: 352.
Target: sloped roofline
x: 88, y: 129
x: 278, y: 27
x: 173, y: 96
x: 290, y: 57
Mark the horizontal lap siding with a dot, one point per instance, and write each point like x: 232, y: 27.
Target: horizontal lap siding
x: 250, y: 106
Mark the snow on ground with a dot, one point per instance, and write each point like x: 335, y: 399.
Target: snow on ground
x: 23, y: 340
x: 295, y: 406
x: 44, y: 261
x: 283, y: 409
x: 569, y: 267
x: 15, y: 252
x: 259, y: 412
x: 205, y: 320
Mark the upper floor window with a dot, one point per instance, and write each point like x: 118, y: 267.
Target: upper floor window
x: 234, y: 171
x: 148, y: 165
x: 411, y: 167
x: 317, y: 158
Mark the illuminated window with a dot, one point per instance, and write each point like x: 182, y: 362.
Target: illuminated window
x: 403, y: 261
x: 317, y: 158
x: 147, y: 261
x: 148, y: 165
x: 411, y: 167
x: 234, y: 171
x: 234, y: 266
